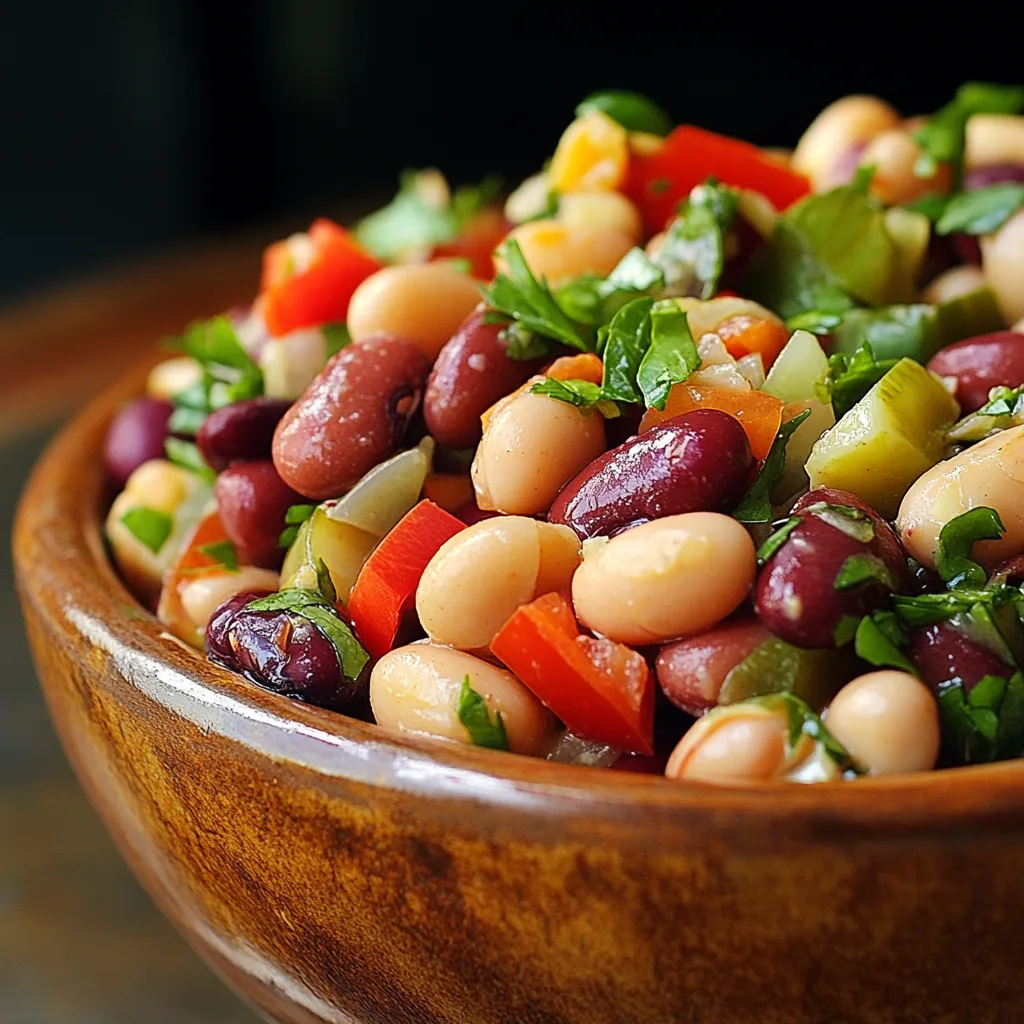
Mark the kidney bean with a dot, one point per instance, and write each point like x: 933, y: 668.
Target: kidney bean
x: 980, y: 364
x: 795, y: 594
x: 697, y: 462
x: 252, y: 500
x: 943, y: 653
x: 281, y: 651
x: 351, y: 417
x: 994, y: 174
x: 244, y: 430
x: 471, y: 373
x: 135, y: 436
x: 691, y: 672
x: 470, y: 512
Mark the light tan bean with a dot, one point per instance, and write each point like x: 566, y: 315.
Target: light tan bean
x: 559, y: 251
x: 611, y: 210
x: 953, y: 283
x: 289, y: 364
x: 893, y: 154
x: 888, y: 721
x: 172, y: 377
x: 421, y: 302
x: 202, y: 596
x: 1002, y: 259
x: 989, y: 473
x: 841, y: 125
x: 415, y: 689
x: 747, y: 747
x: 532, y: 446
x: 479, y: 577
x: 994, y: 139
x: 665, y: 579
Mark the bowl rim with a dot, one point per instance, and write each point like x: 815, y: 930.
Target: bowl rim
x: 63, y: 571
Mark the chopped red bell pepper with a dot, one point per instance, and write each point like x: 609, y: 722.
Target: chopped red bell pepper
x: 320, y: 293
x: 479, y: 238
x: 601, y: 690
x: 660, y: 180
x: 388, y: 579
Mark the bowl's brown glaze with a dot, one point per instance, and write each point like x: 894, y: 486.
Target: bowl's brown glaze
x: 334, y: 872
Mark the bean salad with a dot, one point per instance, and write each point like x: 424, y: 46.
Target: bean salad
x: 685, y: 456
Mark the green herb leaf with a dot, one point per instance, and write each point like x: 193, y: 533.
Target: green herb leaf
x: 956, y: 539
x: 846, y: 630
x: 942, y: 136
x: 932, y: 205
x: 414, y: 220
x: 693, y: 254
x: 804, y: 721
x: 878, y: 641
x: 476, y: 719
x: 981, y: 211
x: 523, y: 345
x: 529, y: 302
x: 187, y: 455
x: 927, y: 609
x: 324, y: 582
x: 986, y: 724
x: 635, y: 112
x: 337, y: 337
x: 851, y: 376
x: 223, y: 553
x: 148, y: 526
x: 1003, y: 401
x: 298, y: 514
x: 816, y: 321
x: 892, y: 331
x: 580, y: 393
x: 624, y: 343
x: 352, y: 658
x: 594, y: 300
x: 862, y: 178
x: 756, y: 505
x: 863, y: 568
x: 777, y: 539
x: 671, y: 356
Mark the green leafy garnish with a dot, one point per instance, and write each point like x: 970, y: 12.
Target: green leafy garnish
x: 336, y: 337
x: 804, y: 721
x: 957, y: 537
x: 981, y: 211
x: 416, y: 219
x: 878, y: 641
x: 815, y: 320
x: 635, y: 112
x: 756, y: 505
x: 223, y: 553
x: 294, y: 517
x: 623, y: 343
x: 863, y: 568
x: 777, y: 539
x: 671, y: 355
x: 928, y: 609
x: 324, y: 582
x: 187, y: 455
x: 942, y: 136
x: 595, y: 300
x: 520, y: 297
x: 851, y: 376
x: 986, y: 724
x: 475, y: 717
x: 580, y: 393
x: 352, y: 658
x: 148, y: 526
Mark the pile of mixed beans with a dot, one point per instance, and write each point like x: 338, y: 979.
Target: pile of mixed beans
x: 687, y: 457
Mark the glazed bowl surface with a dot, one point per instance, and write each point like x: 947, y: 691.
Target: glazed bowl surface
x: 334, y: 872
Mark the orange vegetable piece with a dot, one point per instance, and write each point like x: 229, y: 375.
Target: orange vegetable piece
x: 759, y: 414
x: 745, y: 335
x: 449, y: 490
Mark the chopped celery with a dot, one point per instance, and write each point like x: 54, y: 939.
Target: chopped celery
x: 887, y: 440
x: 801, y: 366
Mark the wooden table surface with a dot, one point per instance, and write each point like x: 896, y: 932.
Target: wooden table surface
x: 79, y: 941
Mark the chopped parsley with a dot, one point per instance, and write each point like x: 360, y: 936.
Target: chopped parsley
x: 484, y: 731
x: 148, y: 526
x: 956, y: 539
x: 186, y: 454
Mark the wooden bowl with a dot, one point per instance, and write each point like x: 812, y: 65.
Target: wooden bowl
x: 334, y: 872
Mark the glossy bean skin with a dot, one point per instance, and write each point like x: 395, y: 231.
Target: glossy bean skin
x: 470, y: 374
x: 351, y: 417
x: 795, y: 595
x: 993, y: 174
x: 280, y: 651
x: 697, y: 462
x: 691, y: 672
x: 980, y: 364
x: 1002, y: 259
x: 205, y: 594
x: 668, y: 578
x: 136, y: 435
x: 943, y: 653
x: 241, y: 431
x: 252, y: 500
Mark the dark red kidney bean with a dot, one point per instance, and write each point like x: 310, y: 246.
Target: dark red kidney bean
x: 943, y: 653
x: 470, y: 512
x: 1011, y: 570
x: 980, y: 364
x: 281, y: 651
x: 795, y: 594
x: 351, y: 417
x: 697, y: 462
x: 691, y: 672
x: 993, y: 174
x: 242, y: 431
x: 967, y: 248
x: 888, y: 544
x: 136, y: 435
x: 252, y: 500
x: 471, y: 372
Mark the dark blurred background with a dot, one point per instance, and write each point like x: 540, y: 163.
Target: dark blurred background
x: 133, y: 126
